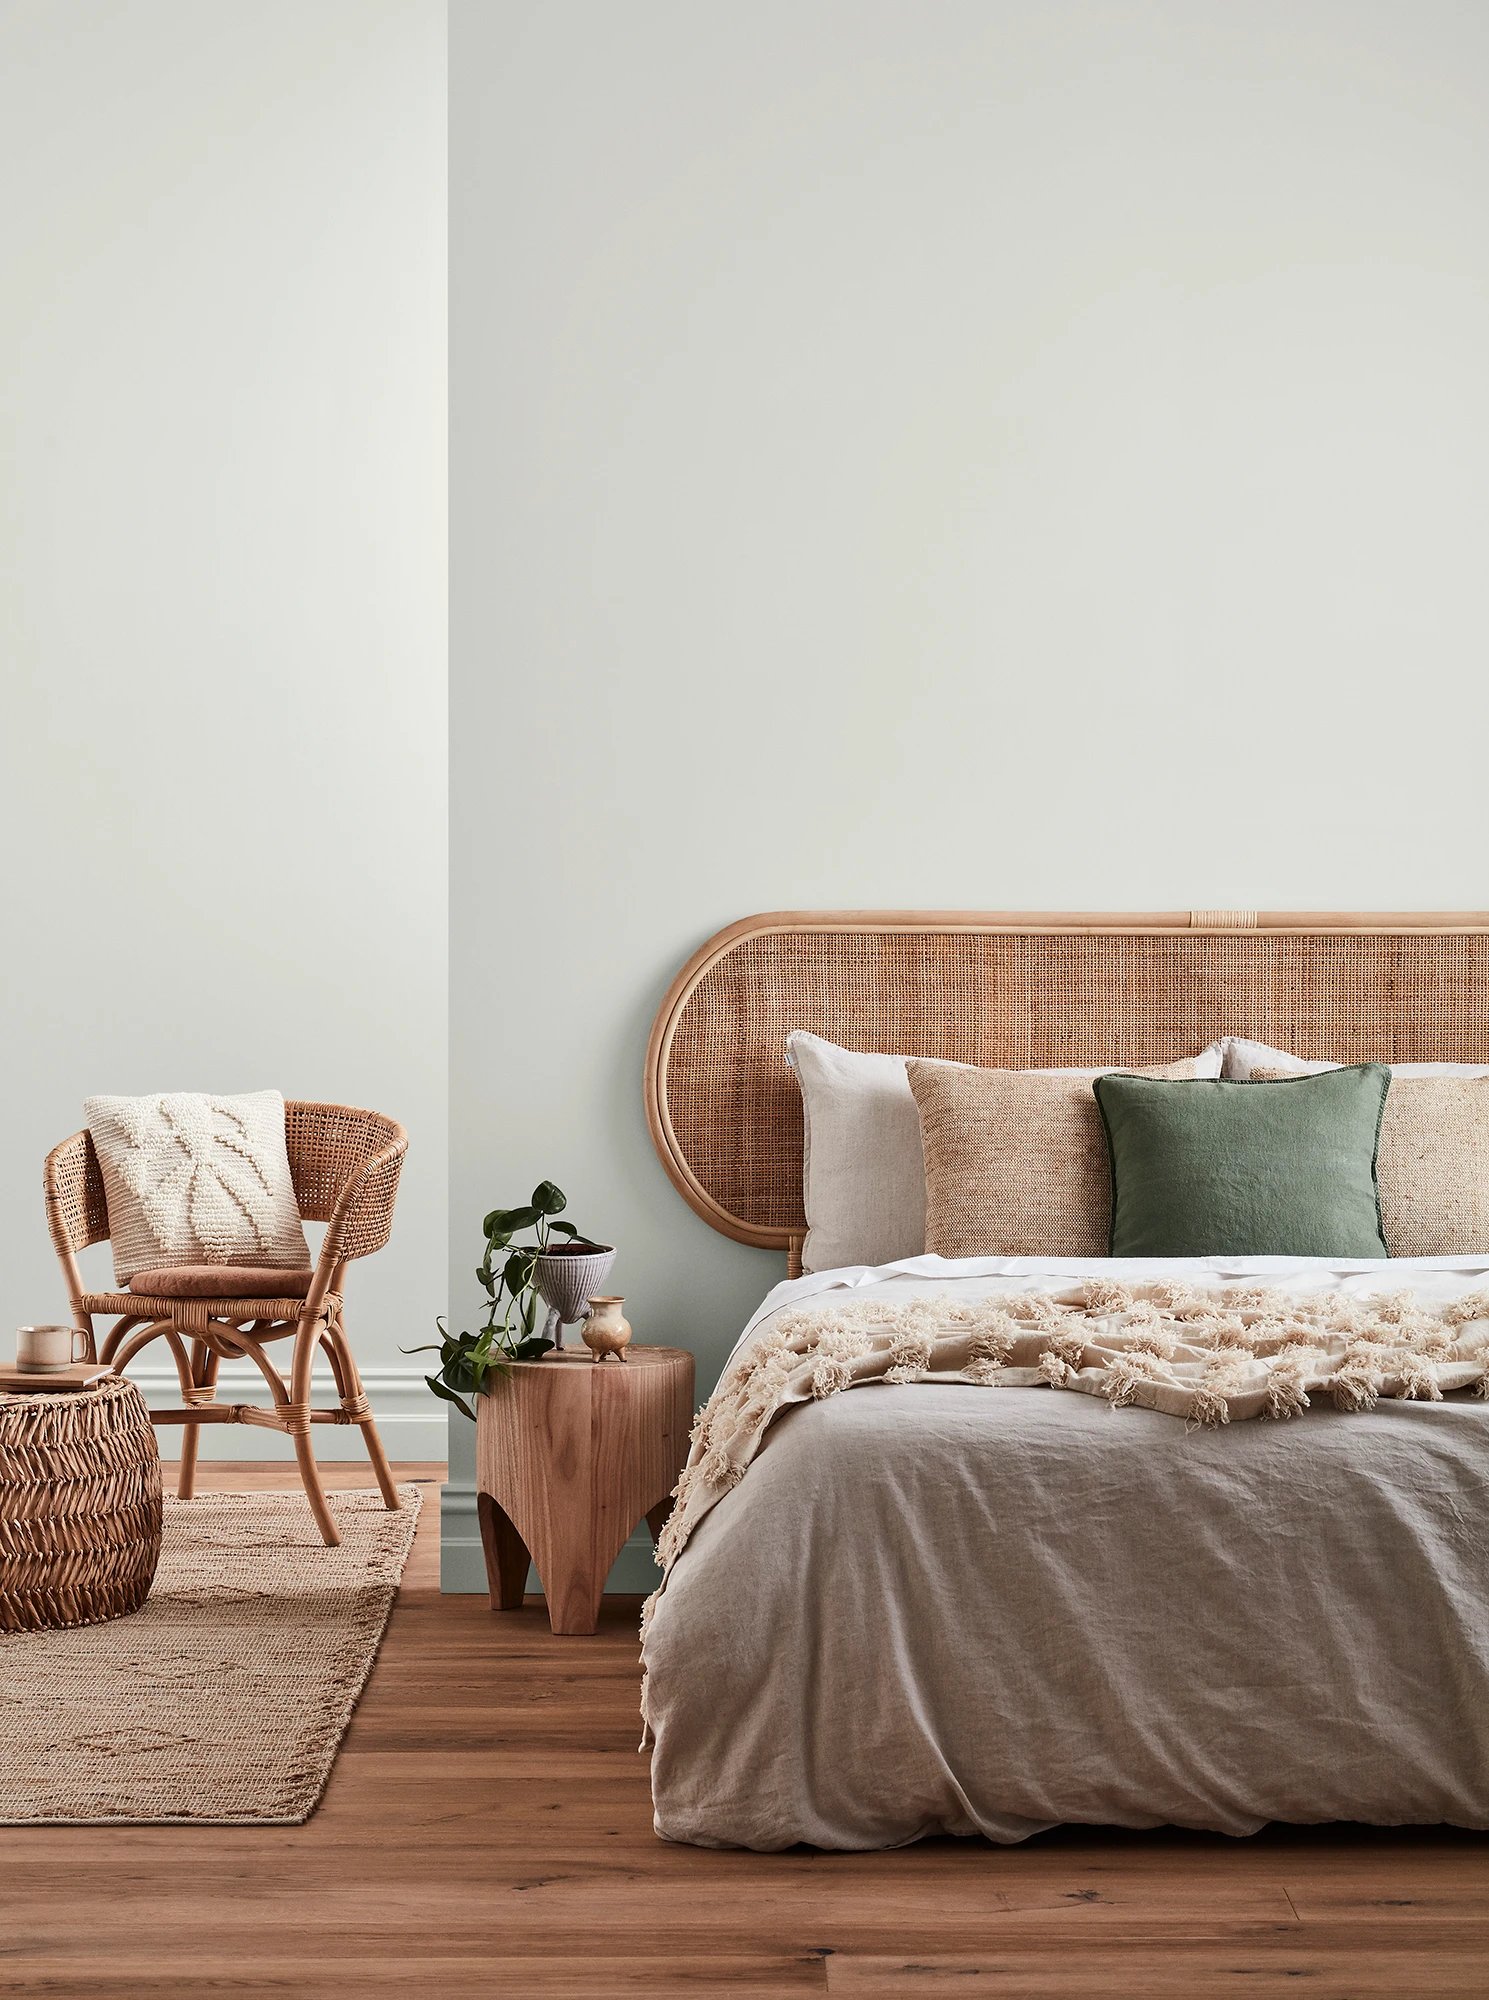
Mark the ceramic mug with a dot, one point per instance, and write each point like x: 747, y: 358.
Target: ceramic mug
x: 39, y: 1349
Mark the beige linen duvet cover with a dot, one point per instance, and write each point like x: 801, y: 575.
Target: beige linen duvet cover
x: 936, y: 1607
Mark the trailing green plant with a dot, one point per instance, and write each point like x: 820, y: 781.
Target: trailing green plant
x: 468, y: 1360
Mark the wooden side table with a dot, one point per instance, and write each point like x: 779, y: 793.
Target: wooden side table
x: 571, y: 1453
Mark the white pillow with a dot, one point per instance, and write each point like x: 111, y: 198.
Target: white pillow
x: 1242, y: 1057
x: 193, y: 1179
x: 863, y: 1170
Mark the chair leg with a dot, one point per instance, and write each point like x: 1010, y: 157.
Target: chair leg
x: 315, y: 1493
x: 349, y: 1384
x: 204, y: 1364
x: 186, y: 1476
x: 306, y: 1337
x: 380, y: 1465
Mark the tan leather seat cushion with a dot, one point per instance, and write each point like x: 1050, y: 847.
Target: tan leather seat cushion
x: 220, y: 1281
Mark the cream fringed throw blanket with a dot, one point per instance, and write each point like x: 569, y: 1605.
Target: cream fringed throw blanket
x: 1205, y: 1357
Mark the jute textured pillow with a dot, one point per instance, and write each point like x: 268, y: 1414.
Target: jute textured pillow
x: 1432, y: 1164
x: 1015, y: 1160
x: 193, y: 1179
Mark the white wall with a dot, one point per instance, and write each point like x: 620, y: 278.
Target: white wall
x: 950, y: 454
x: 222, y: 586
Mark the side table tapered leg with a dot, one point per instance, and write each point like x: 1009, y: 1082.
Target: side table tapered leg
x: 506, y: 1555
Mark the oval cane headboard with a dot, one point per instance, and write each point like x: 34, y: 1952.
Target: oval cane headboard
x: 1022, y: 992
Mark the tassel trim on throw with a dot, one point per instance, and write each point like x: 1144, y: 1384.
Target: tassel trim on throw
x: 1204, y: 1357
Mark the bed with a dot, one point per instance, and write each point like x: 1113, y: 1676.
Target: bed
x: 927, y: 1608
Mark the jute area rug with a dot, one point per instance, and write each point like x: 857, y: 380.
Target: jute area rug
x: 225, y: 1698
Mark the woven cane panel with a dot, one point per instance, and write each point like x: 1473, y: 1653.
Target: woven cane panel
x: 1024, y: 1000
x: 328, y: 1146
x: 77, y: 1208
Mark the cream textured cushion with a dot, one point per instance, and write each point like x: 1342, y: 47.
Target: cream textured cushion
x: 1432, y: 1162
x: 193, y: 1179
x: 1242, y: 1059
x: 1016, y: 1161
x: 863, y: 1170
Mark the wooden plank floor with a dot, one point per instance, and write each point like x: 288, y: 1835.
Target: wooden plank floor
x: 488, y: 1831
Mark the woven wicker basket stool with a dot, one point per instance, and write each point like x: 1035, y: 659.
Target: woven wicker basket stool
x: 79, y: 1506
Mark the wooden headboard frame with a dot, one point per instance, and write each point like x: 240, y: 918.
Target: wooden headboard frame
x: 1025, y: 990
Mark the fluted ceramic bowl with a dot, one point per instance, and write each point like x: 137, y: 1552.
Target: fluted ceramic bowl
x: 565, y: 1280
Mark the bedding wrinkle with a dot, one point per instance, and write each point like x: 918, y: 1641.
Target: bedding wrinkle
x: 846, y: 1658
x: 943, y: 1608
x: 912, y: 1667
x: 741, y: 1672
x: 1424, y: 1523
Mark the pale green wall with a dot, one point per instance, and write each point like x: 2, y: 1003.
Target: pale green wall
x: 956, y: 454
x: 222, y: 598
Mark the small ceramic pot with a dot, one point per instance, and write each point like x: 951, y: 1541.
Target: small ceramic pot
x: 607, y: 1330
x: 565, y: 1278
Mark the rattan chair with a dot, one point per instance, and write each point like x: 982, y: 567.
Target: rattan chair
x: 345, y: 1166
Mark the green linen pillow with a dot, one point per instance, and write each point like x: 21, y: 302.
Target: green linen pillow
x: 1231, y: 1169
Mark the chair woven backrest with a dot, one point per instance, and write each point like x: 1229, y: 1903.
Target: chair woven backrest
x: 1025, y: 992
x: 77, y: 1208
x: 328, y: 1145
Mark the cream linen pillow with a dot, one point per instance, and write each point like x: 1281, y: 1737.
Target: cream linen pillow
x: 1432, y: 1162
x: 194, y: 1179
x: 1015, y: 1160
x: 863, y: 1170
x: 1241, y: 1059
x: 862, y: 1175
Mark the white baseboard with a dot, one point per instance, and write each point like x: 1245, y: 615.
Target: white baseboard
x: 410, y: 1421
x: 462, y: 1566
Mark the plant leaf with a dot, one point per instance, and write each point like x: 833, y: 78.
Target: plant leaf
x: 449, y: 1396
x: 529, y: 1350
x: 518, y: 1270
x: 444, y: 1342
x: 548, y: 1199
x: 505, y: 1222
x: 562, y: 1229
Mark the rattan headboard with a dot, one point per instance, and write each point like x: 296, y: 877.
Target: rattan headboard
x: 1025, y: 991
